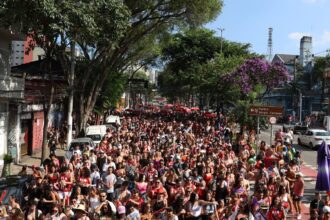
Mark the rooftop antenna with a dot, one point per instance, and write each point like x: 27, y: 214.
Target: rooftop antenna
x: 270, y: 44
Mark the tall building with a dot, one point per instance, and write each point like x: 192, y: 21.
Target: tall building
x: 17, y: 51
x: 300, y: 68
x: 306, y: 50
x: 20, y: 53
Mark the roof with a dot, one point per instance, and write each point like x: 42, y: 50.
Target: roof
x: 39, y: 68
x: 286, y: 58
x: 9, y: 35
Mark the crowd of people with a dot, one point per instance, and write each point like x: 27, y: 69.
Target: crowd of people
x: 170, y: 169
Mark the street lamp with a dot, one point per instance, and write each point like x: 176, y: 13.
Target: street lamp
x: 221, y: 39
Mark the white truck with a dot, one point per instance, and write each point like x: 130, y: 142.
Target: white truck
x: 96, y: 133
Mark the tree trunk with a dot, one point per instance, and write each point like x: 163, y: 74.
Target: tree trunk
x: 71, y: 92
x: 45, y: 148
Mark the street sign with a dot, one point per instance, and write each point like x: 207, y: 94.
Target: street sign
x: 266, y: 110
x: 272, y: 120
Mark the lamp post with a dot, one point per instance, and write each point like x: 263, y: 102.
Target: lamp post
x: 296, y: 87
x: 221, y: 39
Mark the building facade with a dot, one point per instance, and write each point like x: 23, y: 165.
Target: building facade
x: 11, y: 95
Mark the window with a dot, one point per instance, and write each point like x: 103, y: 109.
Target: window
x: 3, y: 107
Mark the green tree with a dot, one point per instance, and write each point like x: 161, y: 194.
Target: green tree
x: 100, y: 28
x: 195, y: 67
x: 321, y: 64
x: 53, y: 24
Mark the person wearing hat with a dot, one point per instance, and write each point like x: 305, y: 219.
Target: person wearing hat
x: 298, y: 193
x: 80, y: 212
x: 121, y: 212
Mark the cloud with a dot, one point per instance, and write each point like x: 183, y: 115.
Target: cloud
x: 297, y: 35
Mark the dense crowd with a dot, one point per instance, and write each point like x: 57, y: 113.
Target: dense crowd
x: 168, y: 169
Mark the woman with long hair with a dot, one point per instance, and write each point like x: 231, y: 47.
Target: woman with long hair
x: 84, y: 180
x: 195, y: 207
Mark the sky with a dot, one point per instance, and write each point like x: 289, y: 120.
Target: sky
x: 247, y: 21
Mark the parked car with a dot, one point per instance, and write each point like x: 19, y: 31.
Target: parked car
x: 314, y: 138
x: 299, y: 129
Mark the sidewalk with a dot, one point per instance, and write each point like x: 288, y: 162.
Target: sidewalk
x: 28, y: 161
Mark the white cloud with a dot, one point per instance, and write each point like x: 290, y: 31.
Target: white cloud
x: 297, y: 35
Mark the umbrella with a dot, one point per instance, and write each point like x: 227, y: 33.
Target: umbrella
x: 168, y: 106
x: 323, y: 162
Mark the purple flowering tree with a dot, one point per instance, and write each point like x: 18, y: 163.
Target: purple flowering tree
x: 257, y: 72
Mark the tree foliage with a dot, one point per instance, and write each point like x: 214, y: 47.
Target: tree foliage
x: 194, y: 64
x: 321, y: 63
x: 256, y: 72
x: 113, y: 34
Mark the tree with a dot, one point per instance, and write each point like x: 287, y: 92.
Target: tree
x: 195, y: 67
x: 257, y: 72
x: 149, y: 20
x: 53, y: 24
x: 321, y: 64
x: 254, y: 78
x: 109, y: 32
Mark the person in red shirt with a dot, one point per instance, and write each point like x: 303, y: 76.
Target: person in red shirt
x: 298, y: 193
x: 276, y: 211
x: 66, y: 181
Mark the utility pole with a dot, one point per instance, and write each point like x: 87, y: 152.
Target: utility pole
x: 71, y: 92
x: 300, y: 106
x: 295, y: 68
x: 221, y: 39
x: 294, y: 84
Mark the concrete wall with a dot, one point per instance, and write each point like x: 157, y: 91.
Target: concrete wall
x: 13, y: 130
x: 3, y: 129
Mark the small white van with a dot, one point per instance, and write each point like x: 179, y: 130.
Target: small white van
x: 96, y: 132
x: 113, y: 120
